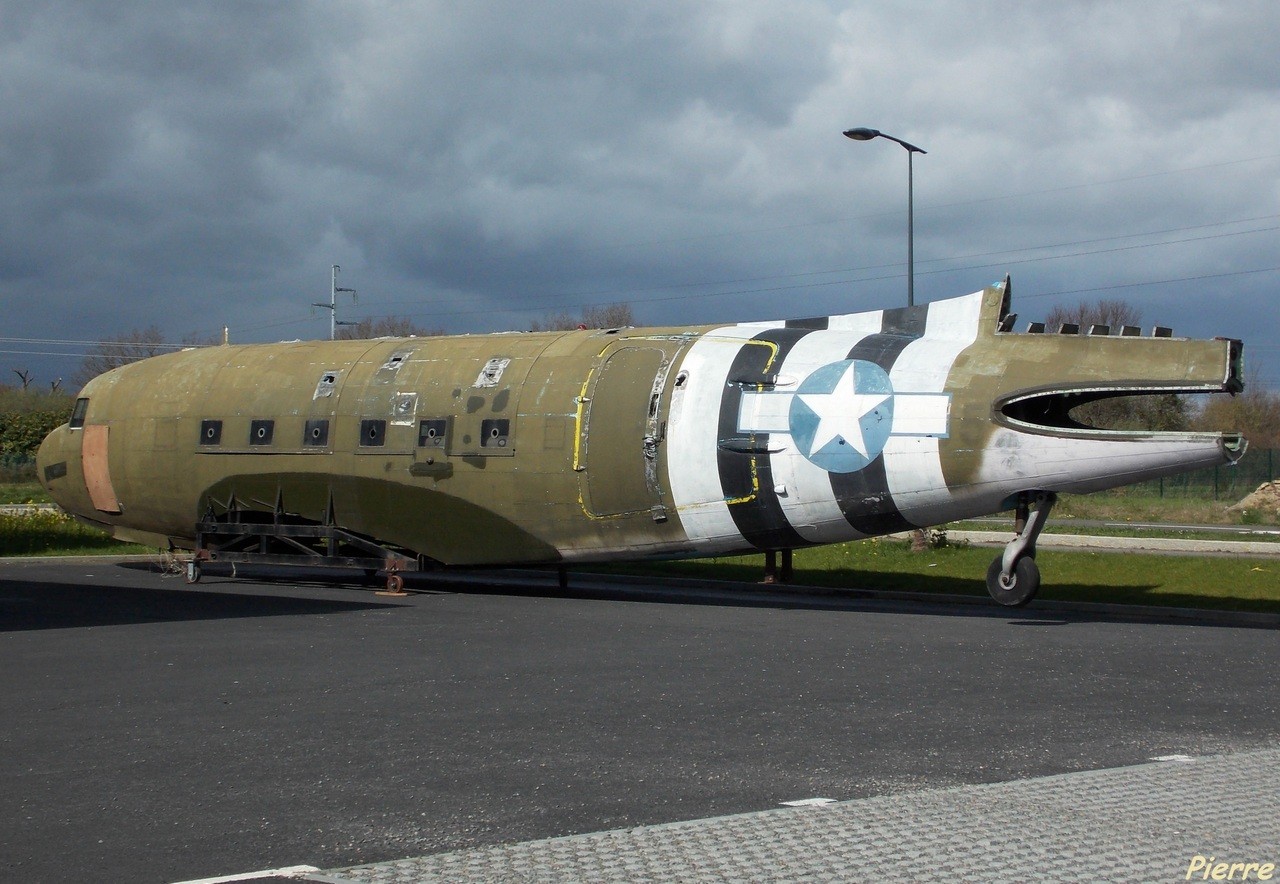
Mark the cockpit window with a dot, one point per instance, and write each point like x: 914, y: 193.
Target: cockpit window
x: 78, y: 413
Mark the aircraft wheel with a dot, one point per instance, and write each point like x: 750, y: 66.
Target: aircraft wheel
x: 1019, y: 588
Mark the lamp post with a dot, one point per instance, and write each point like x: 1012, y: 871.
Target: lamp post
x: 861, y: 134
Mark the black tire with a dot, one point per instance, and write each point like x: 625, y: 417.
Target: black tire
x: 1020, y: 588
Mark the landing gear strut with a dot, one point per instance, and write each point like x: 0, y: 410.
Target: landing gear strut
x: 1014, y: 577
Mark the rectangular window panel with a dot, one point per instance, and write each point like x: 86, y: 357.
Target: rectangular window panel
x: 494, y: 432
x: 431, y: 433
x: 316, y: 434
x: 372, y: 432
x: 210, y: 432
x: 260, y: 432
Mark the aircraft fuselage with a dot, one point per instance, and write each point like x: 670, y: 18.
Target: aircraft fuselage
x: 546, y: 448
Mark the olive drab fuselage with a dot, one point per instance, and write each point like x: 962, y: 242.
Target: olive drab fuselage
x: 546, y: 448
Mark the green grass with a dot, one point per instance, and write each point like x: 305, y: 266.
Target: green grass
x: 1138, y: 505
x: 22, y: 492
x: 1227, y: 583
x: 1231, y: 583
x: 56, y: 534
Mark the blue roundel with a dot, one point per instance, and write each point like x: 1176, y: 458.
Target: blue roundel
x: 841, y: 415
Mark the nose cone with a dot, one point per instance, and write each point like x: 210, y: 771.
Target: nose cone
x: 51, y: 462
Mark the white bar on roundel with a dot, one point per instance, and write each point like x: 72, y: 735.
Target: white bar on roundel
x: 921, y: 414
x: 913, y: 414
x: 764, y: 412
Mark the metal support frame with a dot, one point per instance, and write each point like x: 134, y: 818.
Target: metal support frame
x: 282, y: 542
x: 772, y: 574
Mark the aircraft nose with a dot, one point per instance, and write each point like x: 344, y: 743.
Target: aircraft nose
x: 51, y: 461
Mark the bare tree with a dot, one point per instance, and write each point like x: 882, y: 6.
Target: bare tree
x: 1255, y: 412
x: 593, y: 316
x: 1112, y: 314
x: 196, y: 339
x: 121, y: 350
x: 1164, y: 411
x: 25, y: 376
x: 608, y: 316
x: 385, y: 327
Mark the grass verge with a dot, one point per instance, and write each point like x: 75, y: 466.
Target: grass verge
x: 48, y: 533
x: 1134, y: 505
x: 1232, y: 584
x: 22, y: 492
x: 1224, y: 583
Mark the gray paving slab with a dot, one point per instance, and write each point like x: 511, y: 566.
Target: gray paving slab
x: 1149, y: 822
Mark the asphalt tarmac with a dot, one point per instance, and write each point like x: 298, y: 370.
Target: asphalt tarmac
x: 151, y: 731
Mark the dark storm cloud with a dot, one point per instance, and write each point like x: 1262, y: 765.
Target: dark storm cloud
x: 475, y: 165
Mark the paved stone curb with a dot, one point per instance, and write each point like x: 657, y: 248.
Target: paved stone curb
x: 1143, y: 823
x: 24, y: 509
x: 1125, y: 544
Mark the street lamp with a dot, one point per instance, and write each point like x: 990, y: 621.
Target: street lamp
x: 861, y: 134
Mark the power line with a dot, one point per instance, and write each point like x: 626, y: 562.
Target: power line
x: 68, y: 342
x: 930, y: 207
x: 1130, y: 285
x: 694, y: 285
x: 684, y: 287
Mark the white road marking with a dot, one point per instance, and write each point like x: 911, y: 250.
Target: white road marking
x: 809, y: 802
x: 1183, y: 758
x: 286, y: 872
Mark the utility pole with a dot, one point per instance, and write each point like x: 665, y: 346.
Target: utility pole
x: 332, y: 306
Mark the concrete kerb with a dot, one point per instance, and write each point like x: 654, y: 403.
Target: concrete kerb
x: 1149, y: 545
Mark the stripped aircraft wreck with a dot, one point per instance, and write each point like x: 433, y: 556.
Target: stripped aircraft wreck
x: 632, y: 443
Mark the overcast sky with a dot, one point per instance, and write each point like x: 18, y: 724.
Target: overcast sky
x: 475, y: 166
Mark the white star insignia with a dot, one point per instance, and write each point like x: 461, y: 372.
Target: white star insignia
x: 840, y: 413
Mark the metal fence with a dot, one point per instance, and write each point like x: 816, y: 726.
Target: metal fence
x: 1230, y: 483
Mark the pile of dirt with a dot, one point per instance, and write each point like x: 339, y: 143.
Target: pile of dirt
x: 1265, y: 500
